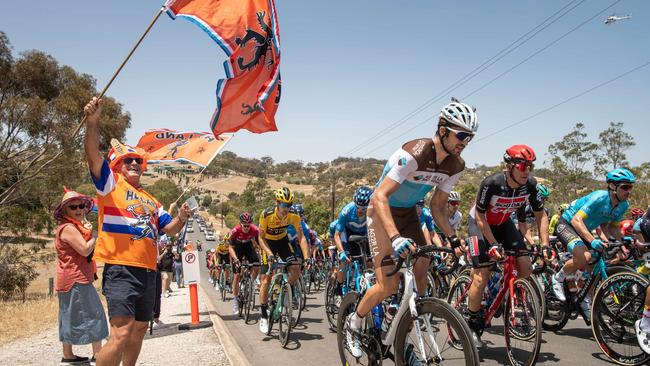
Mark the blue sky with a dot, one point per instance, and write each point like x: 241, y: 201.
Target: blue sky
x: 352, y: 68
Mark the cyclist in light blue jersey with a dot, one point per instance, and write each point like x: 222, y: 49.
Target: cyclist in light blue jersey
x: 604, y: 209
x: 351, y: 221
x: 428, y: 226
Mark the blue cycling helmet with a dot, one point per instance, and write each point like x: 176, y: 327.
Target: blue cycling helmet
x: 420, y: 203
x: 299, y: 209
x: 362, y: 196
x: 620, y: 175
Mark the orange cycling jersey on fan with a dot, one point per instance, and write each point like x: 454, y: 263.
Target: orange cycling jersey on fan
x: 130, y: 222
x: 274, y: 228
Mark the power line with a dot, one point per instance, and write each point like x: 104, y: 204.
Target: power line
x: 564, y: 101
x: 548, y: 108
x: 541, y: 50
x: 499, y: 55
x: 520, y: 63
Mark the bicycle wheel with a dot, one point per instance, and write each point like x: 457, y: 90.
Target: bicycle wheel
x: 458, y: 298
x: 522, y: 324
x: 331, y: 310
x: 556, y: 312
x: 243, y: 296
x: 249, y: 300
x: 303, y: 297
x: 539, y: 292
x: 222, y: 284
x: 284, y: 319
x: 306, y: 274
x: 618, y: 303
x: 372, y: 350
x: 435, y: 322
x: 296, y: 302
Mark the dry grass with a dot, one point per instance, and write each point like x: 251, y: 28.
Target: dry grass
x: 39, y: 313
x: 20, y: 320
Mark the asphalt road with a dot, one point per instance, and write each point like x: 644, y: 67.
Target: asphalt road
x: 312, y: 343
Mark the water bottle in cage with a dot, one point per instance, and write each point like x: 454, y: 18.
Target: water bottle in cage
x: 492, y: 288
x: 378, y: 316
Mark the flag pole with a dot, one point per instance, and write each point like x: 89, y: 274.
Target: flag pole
x: 126, y: 59
x: 189, y: 186
x: 4, y: 195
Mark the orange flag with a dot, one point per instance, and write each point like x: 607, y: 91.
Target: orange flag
x: 247, y: 31
x: 163, y: 145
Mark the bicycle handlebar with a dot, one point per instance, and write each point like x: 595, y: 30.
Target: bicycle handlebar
x: 420, y: 251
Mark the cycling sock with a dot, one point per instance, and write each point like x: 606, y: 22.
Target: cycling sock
x: 264, y: 308
x: 645, y: 321
x: 355, y: 321
x: 560, y: 275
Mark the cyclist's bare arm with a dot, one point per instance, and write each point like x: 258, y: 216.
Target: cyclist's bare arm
x: 481, y: 222
x: 437, y: 205
x: 542, y: 226
x: 379, y: 203
x: 578, y: 224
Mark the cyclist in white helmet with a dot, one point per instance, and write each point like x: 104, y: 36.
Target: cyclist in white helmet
x: 410, y: 173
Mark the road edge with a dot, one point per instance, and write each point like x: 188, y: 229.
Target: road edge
x: 230, y: 347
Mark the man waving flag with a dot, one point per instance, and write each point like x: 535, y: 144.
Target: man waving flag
x: 247, y: 31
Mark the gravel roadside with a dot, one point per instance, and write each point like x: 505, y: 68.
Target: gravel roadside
x: 167, y: 345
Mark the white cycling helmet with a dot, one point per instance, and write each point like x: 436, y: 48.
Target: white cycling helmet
x: 460, y: 115
x: 454, y: 196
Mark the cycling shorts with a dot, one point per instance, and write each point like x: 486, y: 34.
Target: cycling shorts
x: 569, y: 236
x: 506, y: 234
x: 246, y: 250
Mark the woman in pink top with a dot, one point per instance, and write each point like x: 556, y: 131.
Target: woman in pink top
x: 81, y: 316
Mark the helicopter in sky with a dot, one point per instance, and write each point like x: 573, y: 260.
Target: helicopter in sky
x: 615, y: 18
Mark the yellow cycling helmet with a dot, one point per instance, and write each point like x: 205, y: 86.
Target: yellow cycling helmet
x: 226, y: 237
x: 284, y: 195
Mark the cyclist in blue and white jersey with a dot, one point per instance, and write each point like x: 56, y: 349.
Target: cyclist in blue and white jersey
x: 428, y: 226
x: 351, y: 221
x: 602, y: 208
x: 293, y: 235
x: 393, y: 224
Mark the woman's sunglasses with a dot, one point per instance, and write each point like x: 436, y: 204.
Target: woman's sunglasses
x: 80, y: 206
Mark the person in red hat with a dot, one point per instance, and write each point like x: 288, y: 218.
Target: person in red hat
x: 130, y: 222
x: 81, y: 316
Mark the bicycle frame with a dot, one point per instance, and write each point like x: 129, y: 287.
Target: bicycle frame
x: 509, y: 277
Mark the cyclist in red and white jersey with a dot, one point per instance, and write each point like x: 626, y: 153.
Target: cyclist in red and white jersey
x: 491, y: 229
x: 243, y: 244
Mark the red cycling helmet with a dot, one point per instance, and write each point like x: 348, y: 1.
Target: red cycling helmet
x: 519, y: 153
x: 636, y: 212
x: 246, y: 218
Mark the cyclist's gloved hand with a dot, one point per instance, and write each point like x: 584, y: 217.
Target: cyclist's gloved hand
x: 454, y: 241
x: 496, y: 251
x: 597, y: 244
x: 628, y: 239
x: 270, y: 259
x: 343, y: 256
x: 401, y: 246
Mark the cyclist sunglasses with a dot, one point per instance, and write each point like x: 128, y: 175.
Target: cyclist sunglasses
x: 454, y: 203
x: 130, y: 160
x: 285, y: 205
x: 523, y: 165
x: 462, y: 135
x: 80, y: 206
x: 626, y: 187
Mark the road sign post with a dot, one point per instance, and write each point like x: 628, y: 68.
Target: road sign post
x: 192, y: 276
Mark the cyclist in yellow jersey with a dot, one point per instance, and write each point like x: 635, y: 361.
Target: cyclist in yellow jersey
x: 274, y: 241
x: 222, y: 257
x: 556, y: 218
